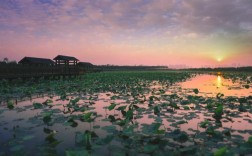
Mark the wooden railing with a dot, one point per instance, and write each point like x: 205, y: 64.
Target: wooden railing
x: 19, y: 71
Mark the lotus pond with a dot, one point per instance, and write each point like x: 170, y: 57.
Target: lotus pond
x: 127, y: 114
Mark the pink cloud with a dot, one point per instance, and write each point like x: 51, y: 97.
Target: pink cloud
x: 127, y: 32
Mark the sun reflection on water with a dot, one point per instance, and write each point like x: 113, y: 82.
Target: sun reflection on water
x: 219, y: 81
x: 212, y: 85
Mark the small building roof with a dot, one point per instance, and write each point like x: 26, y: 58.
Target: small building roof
x: 65, y: 58
x: 85, y: 64
x: 34, y: 60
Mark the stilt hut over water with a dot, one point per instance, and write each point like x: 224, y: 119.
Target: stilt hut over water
x: 65, y: 60
x: 36, y: 61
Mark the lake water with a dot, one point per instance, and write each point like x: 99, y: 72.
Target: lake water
x: 211, y: 85
x: 24, y: 130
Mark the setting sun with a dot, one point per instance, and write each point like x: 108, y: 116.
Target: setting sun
x: 160, y: 32
x: 118, y: 77
x: 219, y: 59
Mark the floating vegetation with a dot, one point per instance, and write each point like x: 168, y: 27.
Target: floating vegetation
x: 128, y: 113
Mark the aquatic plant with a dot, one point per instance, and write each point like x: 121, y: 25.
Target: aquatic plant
x: 123, y: 113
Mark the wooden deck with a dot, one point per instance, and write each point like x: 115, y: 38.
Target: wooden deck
x: 21, y: 71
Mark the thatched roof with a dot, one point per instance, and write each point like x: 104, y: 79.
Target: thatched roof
x: 65, y: 58
x: 34, y: 60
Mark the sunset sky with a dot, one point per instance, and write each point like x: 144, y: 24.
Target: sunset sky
x: 129, y: 32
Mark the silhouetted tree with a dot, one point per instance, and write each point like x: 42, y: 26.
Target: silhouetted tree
x: 6, y: 60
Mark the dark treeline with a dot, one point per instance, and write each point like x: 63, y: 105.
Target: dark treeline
x: 2, y: 63
x: 125, y: 68
x: 233, y: 69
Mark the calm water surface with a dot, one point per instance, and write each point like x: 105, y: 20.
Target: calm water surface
x: 211, y: 85
x: 24, y: 129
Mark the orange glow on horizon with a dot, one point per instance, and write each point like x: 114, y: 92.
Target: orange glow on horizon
x: 114, y: 32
